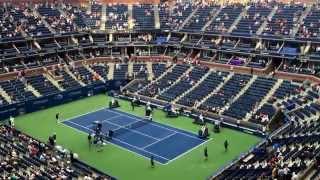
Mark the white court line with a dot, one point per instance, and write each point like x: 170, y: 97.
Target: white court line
x: 166, y: 137
x: 121, y: 113
x: 153, y: 124
x: 124, y: 142
x: 74, y: 117
x: 133, y: 152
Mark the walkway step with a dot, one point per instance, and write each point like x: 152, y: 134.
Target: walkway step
x: 67, y: 70
x: 30, y: 88
x: 217, y: 11
x: 53, y: 81
x: 111, y: 71
x: 265, y: 23
x: 150, y: 72
x: 5, y: 95
x: 156, y: 16
x: 188, y: 18
x: 103, y: 17
x: 264, y: 100
x: 94, y: 72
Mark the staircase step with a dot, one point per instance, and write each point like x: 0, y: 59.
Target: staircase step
x: 217, y: 11
x: 103, y: 17
x: 53, y: 81
x: 30, y: 88
x: 156, y: 16
x: 264, y: 100
x: 235, y: 23
x: 5, y: 95
x: 130, y: 69
x: 188, y: 18
x: 67, y: 70
x: 37, y: 14
x: 94, y: 72
x: 265, y: 23
x: 150, y: 72
x: 111, y: 71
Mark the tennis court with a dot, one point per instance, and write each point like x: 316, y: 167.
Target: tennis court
x: 137, y: 135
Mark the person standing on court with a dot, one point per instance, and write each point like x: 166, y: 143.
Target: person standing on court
x: 57, y: 117
x: 205, y: 153
x: 152, y: 161
x: 90, y: 140
x: 11, y: 122
x: 132, y: 103
x: 226, y: 144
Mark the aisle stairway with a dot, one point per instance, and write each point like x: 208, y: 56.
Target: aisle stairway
x: 264, y: 100
x: 94, y: 72
x: 156, y: 16
x: 188, y: 18
x: 5, y: 96
x: 111, y: 71
x: 67, y: 70
x: 103, y: 17
x: 30, y: 88
x: 150, y: 72
x: 53, y: 81
x: 265, y: 23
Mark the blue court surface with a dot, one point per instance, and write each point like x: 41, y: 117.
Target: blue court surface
x: 135, y: 134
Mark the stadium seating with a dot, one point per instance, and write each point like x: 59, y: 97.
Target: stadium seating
x: 282, y: 157
x: 30, y: 159
x: 172, y: 20
x: 184, y: 84
x: 199, y: 19
x: 42, y: 85
x: 117, y: 17
x: 224, y: 19
x: 253, y: 95
x: 143, y: 17
x: 283, y: 21
x: 227, y: 92
x: 252, y: 20
x: 203, y: 89
x: 242, y: 62
x: 17, y: 90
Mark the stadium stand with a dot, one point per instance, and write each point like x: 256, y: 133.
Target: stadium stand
x: 26, y: 158
x: 242, y: 63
